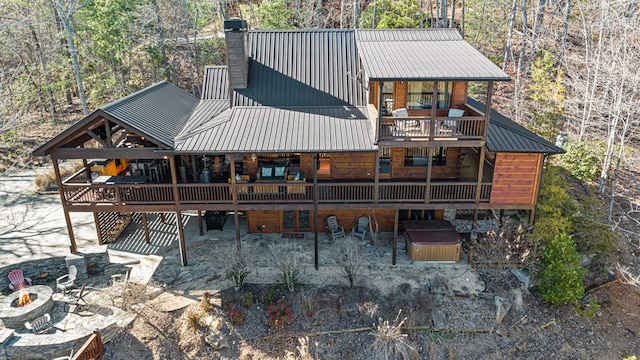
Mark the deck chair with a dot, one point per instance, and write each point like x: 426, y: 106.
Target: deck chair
x: 18, y: 280
x: 360, y: 229
x: 40, y: 324
x: 333, y: 229
x: 67, y: 282
x: 74, y: 297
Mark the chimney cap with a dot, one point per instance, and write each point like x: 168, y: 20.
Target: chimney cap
x: 235, y: 24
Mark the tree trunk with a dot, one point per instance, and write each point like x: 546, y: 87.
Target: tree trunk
x: 356, y: 13
x: 565, y: 30
x: 45, y: 74
x: 508, y: 51
x: 537, y: 24
x: 163, y: 50
x: 65, y: 19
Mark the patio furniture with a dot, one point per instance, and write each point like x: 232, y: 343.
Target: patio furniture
x: 360, y: 229
x: 18, y: 280
x: 40, y: 324
x: 333, y: 229
x: 74, y: 297
x: 67, y: 282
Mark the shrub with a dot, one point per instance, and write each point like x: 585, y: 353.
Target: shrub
x: 236, y: 315
x: 247, y: 300
x: 593, y: 235
x: 561, y: 278
x: 349, y: 255
x: 193, y: 320
x: 269, y: 297
x: 279, y: 314
x: 286, y: 258
x: 590, y: 309
x: 205, y: 303
x: 582, y: 159
x: 390, y: 342
x: 555, y: 206
x: 237, y: 270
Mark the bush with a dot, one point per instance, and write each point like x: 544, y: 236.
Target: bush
x: 561, y: 278
x: 555, y: 206
x: 286, y: 258
x: 582, y: 159
x: 236, y: 315
x: 349, y: 255
x: 237, y: 270
x: 593, y: 235
x: 279, y: 314
x: 390, y: 342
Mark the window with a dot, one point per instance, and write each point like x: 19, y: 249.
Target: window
x: 387, y: 97
x: 385, y: 160
x: 417, y: 156
x: 420, y: 94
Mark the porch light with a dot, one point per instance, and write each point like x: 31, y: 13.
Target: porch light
x: 254, y: 157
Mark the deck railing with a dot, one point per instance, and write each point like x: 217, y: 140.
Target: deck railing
x: 275, y: 192
x: 443, y: 128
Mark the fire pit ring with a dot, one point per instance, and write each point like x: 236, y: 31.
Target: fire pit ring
x: 15, y: 317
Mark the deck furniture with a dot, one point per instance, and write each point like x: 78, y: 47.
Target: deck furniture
x: 74, y: 297
x: 40, y: 324
x: 67, y: 282
x: 241, y: 179
x: 18, y: 280
x: 360, y: 229
x: 333, y: 229
x: 215, y: 219
x: 296, y: 179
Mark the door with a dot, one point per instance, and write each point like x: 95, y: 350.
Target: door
x: 296, y: 220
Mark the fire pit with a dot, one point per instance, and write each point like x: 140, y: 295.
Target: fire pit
x: 25, y: 305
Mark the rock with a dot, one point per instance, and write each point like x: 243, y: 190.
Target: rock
x: 502, y: 308
x: 516, y: 299
x: 523, y: 276
x: 439, y: 320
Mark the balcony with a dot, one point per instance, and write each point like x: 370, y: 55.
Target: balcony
x: 330, y: 192
x: 425, y: 128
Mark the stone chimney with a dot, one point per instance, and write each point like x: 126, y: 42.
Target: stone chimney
x: 235, y: 34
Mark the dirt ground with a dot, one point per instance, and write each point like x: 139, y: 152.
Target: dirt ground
x: 339, y: 322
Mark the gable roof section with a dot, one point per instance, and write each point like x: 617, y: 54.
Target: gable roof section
x: 418, y: 54
x: 505, y: 135
x: 294, y: 68
x: 247, y: 129
x: 157, y: 112
x: 215, y: 85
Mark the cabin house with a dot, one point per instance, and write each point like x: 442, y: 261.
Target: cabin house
x: 306, y: 124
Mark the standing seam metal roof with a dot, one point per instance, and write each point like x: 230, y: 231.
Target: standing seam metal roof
x: 423, y: 54
x: 159, y: 111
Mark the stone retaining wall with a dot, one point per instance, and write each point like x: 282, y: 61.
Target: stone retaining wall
x: 53, y: 268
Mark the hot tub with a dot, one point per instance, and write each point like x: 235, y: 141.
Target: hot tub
x: 432, y: 241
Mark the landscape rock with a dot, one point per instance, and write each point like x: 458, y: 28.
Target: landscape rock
x: 439, y: 320
x: 523, y: 276
x: 502, y: 308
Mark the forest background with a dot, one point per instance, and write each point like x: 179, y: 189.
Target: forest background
x: 573, y: 65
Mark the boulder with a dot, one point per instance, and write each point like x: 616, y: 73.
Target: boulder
x: 502, y: 308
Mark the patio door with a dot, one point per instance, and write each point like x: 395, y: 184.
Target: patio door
x: 296, y: 220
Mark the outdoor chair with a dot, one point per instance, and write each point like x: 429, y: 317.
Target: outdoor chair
x: 360, y: 229
x: 333, y: 229
x: 67, y: 282
x: 40, y: 324
x: 18, y: 280
x: 74, y: 297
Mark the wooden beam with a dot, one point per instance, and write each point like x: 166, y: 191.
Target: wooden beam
x: 106, y: 153
x: 378, y: 128
x: 234, y: 196
x: 96, y: 221
x: 480, y: 173
x: 200, y: 227
x: 97, y: 138
x: 487, y: 110
x: 427, y: 191
x: 182, y: 245
x: 376, y: 178
x: 72, y: 239
x: 194, y: 169
x: 107, y: 130
x: 434, y: 111
x: 436, y: 143
x: 176, y: 197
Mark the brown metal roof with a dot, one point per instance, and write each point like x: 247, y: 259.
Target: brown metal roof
x: 423, y: 54
x: 270, y: 129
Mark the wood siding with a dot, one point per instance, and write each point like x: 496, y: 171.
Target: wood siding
x: 353, y: 166
x: 448, y: 171
x: 515, y: 178
x: 271, y: 219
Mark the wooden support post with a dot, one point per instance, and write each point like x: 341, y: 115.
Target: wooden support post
x: 194, y: 169
x: 145, y: 227
x: 96, y: 220
x: 434, y: 113
x: 72, y: 239
x: 315, y: 210
x: 487, y: 110
x: 234, y: 196
x: 378, y: 127
x: 376, y: 178
x: 396, y: 217
x: 183, y: 247
x: 474, y: 225
x: 427, y: 190
x: 200, y: 223
x: 176, y: 197
x: 480, y: 174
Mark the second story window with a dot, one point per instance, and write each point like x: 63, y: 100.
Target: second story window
x: 420, y: 94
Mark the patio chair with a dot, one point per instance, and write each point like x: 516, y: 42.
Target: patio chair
x: 74, y: 297
x: 333, y: 229
x: 67, y: 282
x: 18, y: 280
x: 360, y: 229
x: 40, y: 324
